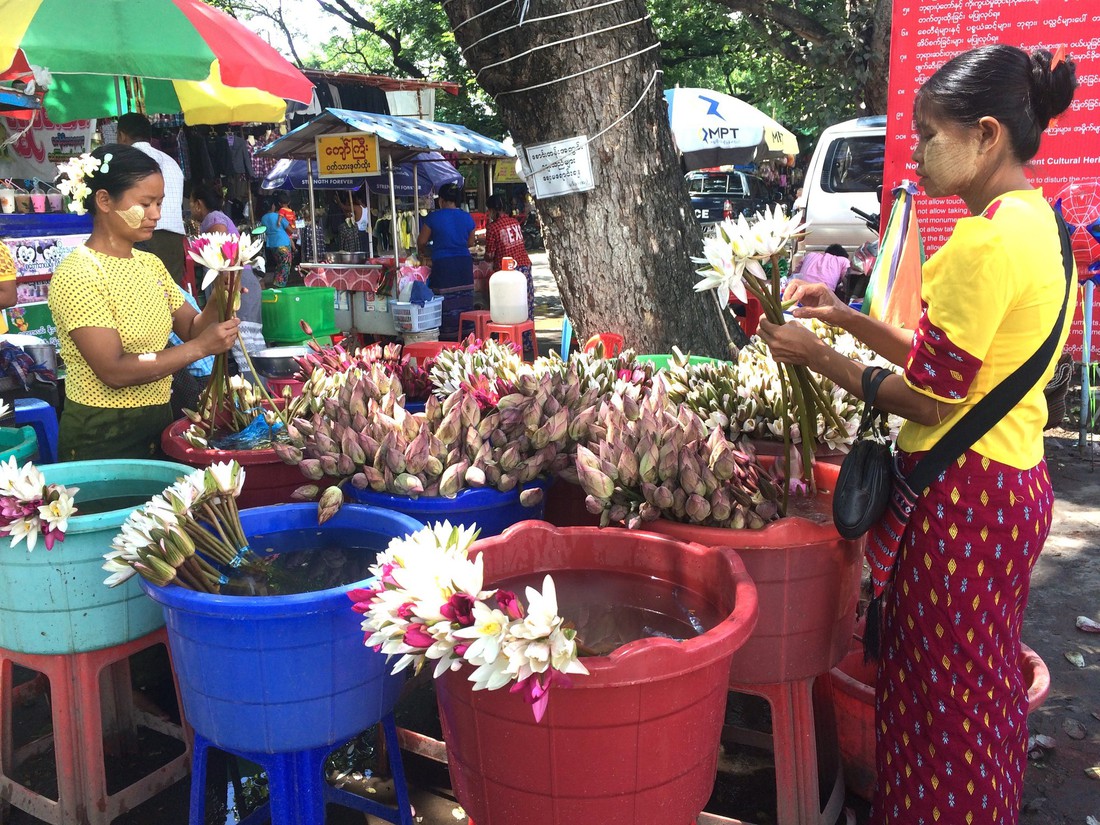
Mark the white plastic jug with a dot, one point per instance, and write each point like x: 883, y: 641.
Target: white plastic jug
x: 508, y: 294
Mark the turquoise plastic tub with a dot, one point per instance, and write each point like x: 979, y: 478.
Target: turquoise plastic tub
x: 661, y: 361
x: 54, y: 601
x: 279, y: 674
x: 21, y: 442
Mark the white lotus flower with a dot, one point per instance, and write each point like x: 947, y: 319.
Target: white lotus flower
x: 56, y: 513
x: 24, y: 528
x: 489, y: 630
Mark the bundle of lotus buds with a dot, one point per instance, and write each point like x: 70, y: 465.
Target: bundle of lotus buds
x: 412, y: 372
x: 604, y: 375
x: 657, y: 460
x: 488, y: 433
x: 489, y: 359
x: 744, y: 397
x: 242, y: 404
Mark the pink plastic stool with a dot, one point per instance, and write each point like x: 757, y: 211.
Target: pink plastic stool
x: 91, y: 698
x: 476, y: 317
x: 514, y: 333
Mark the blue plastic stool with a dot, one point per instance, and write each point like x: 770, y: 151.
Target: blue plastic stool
x: 566, y: 337
x: 43, y: 418
x: 297, y: 787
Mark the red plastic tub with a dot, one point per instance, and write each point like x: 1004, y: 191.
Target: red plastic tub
x: 267, y: 479
x: 807, y: 580
x: 636, y: 741
x: 853, y: 696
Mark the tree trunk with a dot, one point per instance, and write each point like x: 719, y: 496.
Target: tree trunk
x: 621, y: 251
x: 876, y: 92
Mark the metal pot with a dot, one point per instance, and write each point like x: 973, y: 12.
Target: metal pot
x: 44, y: 354
x: 343, y: 257
x: 329, y: 257
x: 358, y: 258
x: 278, y: 362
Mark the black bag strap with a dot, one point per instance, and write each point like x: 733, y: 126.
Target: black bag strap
x: 871, y: 381
x: 1001, y: 399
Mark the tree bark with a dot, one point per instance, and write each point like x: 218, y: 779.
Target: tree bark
x: 620, y: 252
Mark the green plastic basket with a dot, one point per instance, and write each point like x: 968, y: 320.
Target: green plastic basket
x: 21, y: 442
x: 282, y: 310
x: 662, y: 361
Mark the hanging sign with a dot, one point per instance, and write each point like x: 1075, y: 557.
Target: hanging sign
x: 559, y: 168
x: 347, y: 154
x: 39, y: 149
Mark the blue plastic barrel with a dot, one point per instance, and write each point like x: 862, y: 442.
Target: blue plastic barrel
x: 490, y: 509
x: 279, y: 674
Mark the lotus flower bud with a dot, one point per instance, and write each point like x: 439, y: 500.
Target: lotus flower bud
x: 475, y: 476
x: 617, y: 513
x: 329, y: 504
x: 531, y: 497
x: 720, y: 506
x: 507, y: 482
x: 737, y: 519
x: 492, y: 474
x: 329, y: 465
x: 648, y: 512
x: 697, y: 508
x: 470, y: 411
x: 433, y: 467
x: 540, y: 438
x: 529, y: 472
x: 395, y: 460
x: 410, y: 426
x: 511, y: 459
x: 376, y: 479
x: 449, y: 428
x: 345, y: 466
x: 753, y: 521
x: 532, y: 416
x: 627, y: 467
x: 498, y: 439
x: 407, y: 484
x: 311, y: 468
x: 307, y: 492
x: 359, y: 481
x: 473, y: 442
x: 593, y: 505
x: 767, y: 510
x: 667, y: 461
x: 487, y: 424
x: 288, y: 454
x: 593, y: 481
x: 679, y: 501
x: 360, y: 424
x: 578, y: 427
x: 451, y: 481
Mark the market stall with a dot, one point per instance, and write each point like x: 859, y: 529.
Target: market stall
x: 344, y: 144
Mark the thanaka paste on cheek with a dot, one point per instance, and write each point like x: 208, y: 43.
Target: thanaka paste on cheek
x: 133, y: 216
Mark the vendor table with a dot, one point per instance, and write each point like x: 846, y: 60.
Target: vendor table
x: 349, y: 277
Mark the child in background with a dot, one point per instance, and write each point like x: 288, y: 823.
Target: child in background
x: 291, y: 221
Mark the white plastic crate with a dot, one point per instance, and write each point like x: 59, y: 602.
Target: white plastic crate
x: 409, y: 317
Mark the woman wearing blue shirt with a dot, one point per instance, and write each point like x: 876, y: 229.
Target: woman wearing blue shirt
x: 277, y: 243
x: 446, y: 236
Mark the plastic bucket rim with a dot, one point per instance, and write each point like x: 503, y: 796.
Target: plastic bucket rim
x: 470, y: 498
x: 702, y: 651
x: 109, y: 518
x: 295, y: 604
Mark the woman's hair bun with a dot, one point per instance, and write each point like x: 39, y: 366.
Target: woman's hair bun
x: 1052, y: 89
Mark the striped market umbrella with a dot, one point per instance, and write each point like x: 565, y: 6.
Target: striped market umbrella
x: 893, y: 292
x: 109, y: 57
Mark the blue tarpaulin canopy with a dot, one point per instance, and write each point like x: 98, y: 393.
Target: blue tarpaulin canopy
x: 398, y: 137
x: 11, y: 100
x: 432, y: 172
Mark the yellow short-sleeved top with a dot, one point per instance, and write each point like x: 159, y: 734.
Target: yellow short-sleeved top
x: 7, y: 273
x: 991, y: 295
x: 135, y: 296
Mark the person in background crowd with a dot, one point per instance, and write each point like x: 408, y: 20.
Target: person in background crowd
x: 504, y: 239
x: 114, y: 306
x: 446, y: 236
x: 828, y: 267
x: 278, y: 243
x: 8, y: 297
x: 291, y: 219
x: 168, y: 241
x: 951, y: 704
x: 206, y: 205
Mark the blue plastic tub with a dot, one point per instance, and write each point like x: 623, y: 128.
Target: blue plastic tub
x: 54, y: 601
x: 279, y: 674
x: 491, y: 510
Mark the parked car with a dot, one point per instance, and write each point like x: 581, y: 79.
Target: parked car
x: 715, y: 195
x: 845, y: 171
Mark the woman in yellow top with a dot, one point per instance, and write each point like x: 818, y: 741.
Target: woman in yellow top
x: 114, y: 307
x: 951, y: 705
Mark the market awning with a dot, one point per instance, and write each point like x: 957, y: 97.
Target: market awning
x: 17, y: 104
x: 398, y: 137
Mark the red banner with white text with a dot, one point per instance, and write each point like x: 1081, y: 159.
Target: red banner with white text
x: 927, y: 33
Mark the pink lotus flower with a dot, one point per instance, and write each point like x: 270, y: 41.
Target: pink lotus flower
x: 229, y: 252
x: 416, y: 636
x: 459, y: 608
x: 507, y: 601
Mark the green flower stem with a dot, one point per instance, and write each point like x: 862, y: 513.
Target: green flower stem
x: 208, y: 543
x: 783, y: 390
x: 807, y: 426
x: 826, y: 404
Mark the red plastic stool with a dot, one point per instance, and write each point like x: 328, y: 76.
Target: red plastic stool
x: 794, y: 742
x: 478, y: 318
x: 421, y: 350
x: 91, y: 698
x: 612, y: 343
x: 514, y: 333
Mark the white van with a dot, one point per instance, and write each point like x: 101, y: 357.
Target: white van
x: 845, y: 171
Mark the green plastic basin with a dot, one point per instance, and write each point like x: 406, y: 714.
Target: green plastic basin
x: 21, y: 442
x: 661, y: 361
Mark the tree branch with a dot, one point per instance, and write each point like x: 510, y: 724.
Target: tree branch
x: 350, y: 15
x: 796, y: 21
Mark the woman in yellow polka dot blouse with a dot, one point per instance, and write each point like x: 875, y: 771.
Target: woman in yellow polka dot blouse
x: 114, y: 307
